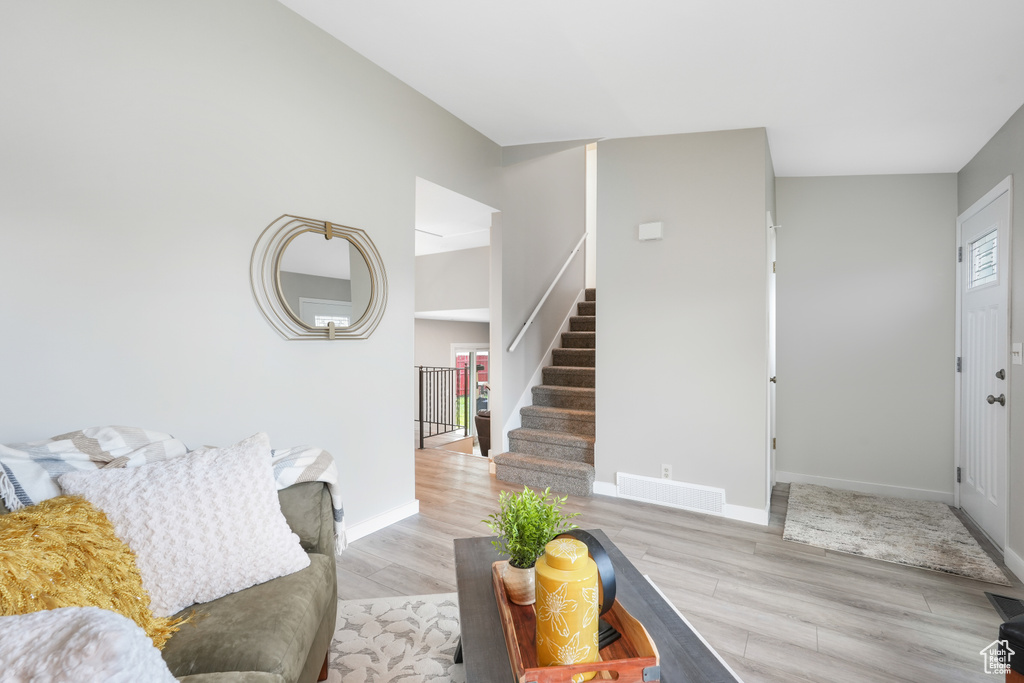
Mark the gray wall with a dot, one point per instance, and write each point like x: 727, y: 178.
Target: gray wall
x: 682, y: 322
x: 434, y: 339
x: 543, y: 216
x: 303, y: 285
x: 453, y: 280
x: 145, y: 147
x: 866, y: 307
x: 1003, y: 155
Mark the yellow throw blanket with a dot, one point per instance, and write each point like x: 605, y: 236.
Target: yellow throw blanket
x: 63, y: 552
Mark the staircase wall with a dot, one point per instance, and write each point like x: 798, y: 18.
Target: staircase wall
x: 682, y: 363
x: 542, y: 217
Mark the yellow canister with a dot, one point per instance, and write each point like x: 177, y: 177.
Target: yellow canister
x: 567, y: 605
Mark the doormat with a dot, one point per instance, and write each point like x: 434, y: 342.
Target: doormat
x: 1006, y: 607
x: 411, y: 639
x: 915, y: 533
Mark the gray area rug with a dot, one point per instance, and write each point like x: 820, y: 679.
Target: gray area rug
x: 410, y: 639
x: 912, y: 532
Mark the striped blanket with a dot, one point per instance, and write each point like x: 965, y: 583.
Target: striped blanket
x: 29, y: 471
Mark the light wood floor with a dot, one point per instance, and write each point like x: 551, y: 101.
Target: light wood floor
x: 775, y: 610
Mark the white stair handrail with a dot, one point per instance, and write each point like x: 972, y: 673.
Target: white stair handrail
x: 529, y: 321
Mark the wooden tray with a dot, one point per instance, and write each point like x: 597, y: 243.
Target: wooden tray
x: 633, y: 657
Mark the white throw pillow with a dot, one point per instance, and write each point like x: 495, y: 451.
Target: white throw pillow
x: 201, y: 525
x: 78, y: 645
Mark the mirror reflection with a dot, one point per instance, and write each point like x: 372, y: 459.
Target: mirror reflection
x: 324, y: 281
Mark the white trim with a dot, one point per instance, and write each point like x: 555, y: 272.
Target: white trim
x: 1014, y: 563
x: 866, y: 487
x: 1004, y: 186
x: 957, y: 352
x: 695, y: 631
x: 736, y: 512
x: 381, y: 521
x: 515, y: 420
x: 590, y: 255
x: 496, y: 401
x: 742, y: 513
x: 770, y: 347
x: 468, y: 346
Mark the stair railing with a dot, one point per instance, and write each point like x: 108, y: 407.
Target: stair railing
x: 440, y: 411
x: 529, y: 321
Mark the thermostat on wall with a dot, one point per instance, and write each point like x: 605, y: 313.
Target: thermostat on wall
x: 650, y: 231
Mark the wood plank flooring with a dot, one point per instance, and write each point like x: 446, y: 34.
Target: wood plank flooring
x: 775, y: 610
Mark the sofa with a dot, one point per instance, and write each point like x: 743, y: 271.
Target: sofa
x: 1011, y: 649
x: 274, y: 632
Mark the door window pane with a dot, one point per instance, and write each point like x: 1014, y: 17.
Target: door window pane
x: 983, y: 260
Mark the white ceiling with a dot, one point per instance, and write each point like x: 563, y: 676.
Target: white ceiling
x: 448, y: 221
x: 843, y: 87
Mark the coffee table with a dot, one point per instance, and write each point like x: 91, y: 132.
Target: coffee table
x: 684, y: 656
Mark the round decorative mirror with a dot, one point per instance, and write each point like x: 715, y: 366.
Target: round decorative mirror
x: 316, y: 280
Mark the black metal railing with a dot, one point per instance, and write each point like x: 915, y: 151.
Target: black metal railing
x: 444, y: 401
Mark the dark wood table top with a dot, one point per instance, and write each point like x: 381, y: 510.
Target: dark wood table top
x: 684, y: 656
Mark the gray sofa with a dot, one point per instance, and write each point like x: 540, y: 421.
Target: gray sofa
x: 274, y: 632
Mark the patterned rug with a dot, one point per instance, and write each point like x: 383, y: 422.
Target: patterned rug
x: 408, y: 639
x: 912, y: 532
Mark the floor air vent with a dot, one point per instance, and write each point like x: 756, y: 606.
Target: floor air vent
x: 1008, y: 608
x: 675, y: 494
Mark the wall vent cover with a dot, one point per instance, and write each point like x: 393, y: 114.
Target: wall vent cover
x: 675, y: 494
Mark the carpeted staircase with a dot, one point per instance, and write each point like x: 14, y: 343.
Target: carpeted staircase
x: 555, y: 445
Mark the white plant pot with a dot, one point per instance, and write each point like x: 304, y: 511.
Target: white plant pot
x: 520, y: 584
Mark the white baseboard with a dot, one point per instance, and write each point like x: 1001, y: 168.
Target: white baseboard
x: 737, y: 512
x: 866, y: 487
x: 745, y: 514
x: 1013, y: 562
x: 386, y: 519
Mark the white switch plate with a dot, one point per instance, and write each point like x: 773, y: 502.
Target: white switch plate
x: 666, y: 471
x: 1016, y: 354
x: 650, y: 231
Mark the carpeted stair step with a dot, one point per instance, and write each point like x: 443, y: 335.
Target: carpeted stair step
x: 562, y: 476
x: 586, y: 308
x: 554, y: 445
x: 562, y: 376
x: 582, y: 323
x: 558, y: 420
x: 575, y: 358
x: 579, y: 340
x: 590, y: 294
x: 574, y: 398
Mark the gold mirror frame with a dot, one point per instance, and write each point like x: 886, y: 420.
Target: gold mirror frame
x: 265, y: 267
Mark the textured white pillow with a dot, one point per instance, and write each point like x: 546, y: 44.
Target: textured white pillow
x: 201, y: 525
x: 76, y: 645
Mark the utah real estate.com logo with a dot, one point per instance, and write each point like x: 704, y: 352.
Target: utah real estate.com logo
x: 997, y: 657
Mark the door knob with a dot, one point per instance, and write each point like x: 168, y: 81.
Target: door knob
x: 1001, y: 374
x: 1001, y: 400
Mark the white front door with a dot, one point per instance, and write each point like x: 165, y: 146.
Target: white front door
x: 983, y: 324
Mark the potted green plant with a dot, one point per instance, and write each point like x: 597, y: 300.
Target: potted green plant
x: 525, y: 522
